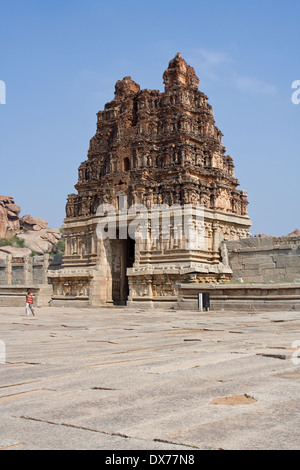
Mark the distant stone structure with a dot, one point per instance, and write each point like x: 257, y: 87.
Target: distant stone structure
x: 24, y: 271
x: 155, y: 150
x: 17, y: 273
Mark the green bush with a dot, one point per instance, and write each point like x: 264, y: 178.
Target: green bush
x: 60, y: 247
x: 14, y: 241
x: 5, y: 242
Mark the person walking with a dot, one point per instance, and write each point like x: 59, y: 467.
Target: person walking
x: 29, y: 303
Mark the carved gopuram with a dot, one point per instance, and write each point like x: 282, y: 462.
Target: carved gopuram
x: 162, y: 153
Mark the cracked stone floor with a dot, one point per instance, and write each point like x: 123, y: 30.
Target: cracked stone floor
x: 131, y: 378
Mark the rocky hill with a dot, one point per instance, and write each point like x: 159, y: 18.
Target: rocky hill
x: 9, y: 217
x: 24, y: 235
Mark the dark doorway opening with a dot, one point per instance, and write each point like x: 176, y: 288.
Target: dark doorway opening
x: 123, y: 253
x: 126, y: 164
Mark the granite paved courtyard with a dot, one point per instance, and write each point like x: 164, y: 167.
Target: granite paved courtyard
x: 131, y: 379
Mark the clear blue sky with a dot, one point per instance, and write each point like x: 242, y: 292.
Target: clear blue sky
x: 60, y: 61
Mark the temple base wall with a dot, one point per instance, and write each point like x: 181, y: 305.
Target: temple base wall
x: 97, y: 272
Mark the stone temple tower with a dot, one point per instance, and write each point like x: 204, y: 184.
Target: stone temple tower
x: 162, y: 153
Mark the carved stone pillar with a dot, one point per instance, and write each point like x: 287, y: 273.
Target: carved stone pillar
x: 28, y: 278
x: 9, y: 269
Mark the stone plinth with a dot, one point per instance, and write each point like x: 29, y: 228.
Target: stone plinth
x: 242, y: 297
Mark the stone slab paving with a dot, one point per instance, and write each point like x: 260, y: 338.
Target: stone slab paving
x: 132, y: 378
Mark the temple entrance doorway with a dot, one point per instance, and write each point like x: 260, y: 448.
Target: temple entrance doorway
x: 123, y: 252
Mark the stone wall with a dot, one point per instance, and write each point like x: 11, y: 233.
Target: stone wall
x: 282, y: 297
x: 3, y: 275
x: 266, y: 259
x: 17, y: 274
x: 24, y: 271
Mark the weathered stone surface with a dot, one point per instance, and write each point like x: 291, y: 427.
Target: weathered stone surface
x: 30, y: 223
x: 271, y: 259
x: 15, y: 252
x: 128, y: 379
x: 40, y: 241
x: 14, y: 210
x: 9, y: 217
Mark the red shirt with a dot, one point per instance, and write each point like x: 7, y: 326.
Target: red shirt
x: 29, y: 298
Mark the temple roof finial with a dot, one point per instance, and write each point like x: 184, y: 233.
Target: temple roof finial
x: 180, y: 73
